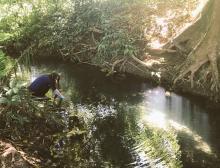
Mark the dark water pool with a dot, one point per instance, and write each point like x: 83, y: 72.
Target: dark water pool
x: 135, y: 124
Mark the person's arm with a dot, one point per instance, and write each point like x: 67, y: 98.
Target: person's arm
x: 58, y: 83
x: 57, y: 93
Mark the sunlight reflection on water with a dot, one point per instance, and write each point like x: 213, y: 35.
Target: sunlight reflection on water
x: 176, y: 108
x: 164, y: 111
x: 156, y: 118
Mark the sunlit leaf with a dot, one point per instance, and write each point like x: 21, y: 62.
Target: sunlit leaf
x: 15, y: 90
x: 12, y: 83
x: 15, y: 98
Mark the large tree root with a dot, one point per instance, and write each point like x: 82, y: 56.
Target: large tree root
x: 212, y: 59
x: 204, y: 50
x: 192, y: 69
x: 215, y: 73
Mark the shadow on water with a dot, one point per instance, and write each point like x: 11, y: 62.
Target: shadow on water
x: 134, y: 124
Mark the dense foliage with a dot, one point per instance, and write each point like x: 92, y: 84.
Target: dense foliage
x: 37, y: 125
x: 6, y: 65
x: 106, y: 33
x: 101, y: 31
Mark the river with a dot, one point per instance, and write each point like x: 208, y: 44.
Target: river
x: 133, y: 123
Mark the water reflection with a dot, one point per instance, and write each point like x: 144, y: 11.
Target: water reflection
x: 133, y: 124
x: 163, y: 108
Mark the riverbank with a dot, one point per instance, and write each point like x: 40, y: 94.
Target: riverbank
x: 97, y: 36
x: 163, y: 72
x: 128, y: 117
x: 32, y: 130
x: 121, y: 105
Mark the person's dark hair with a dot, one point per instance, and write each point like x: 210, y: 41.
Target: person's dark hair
x: 54, y: 76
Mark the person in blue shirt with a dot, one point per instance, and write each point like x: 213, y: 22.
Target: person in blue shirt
x: 41, y: 85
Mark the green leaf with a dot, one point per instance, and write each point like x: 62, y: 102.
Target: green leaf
x: 3, y: 100
x: 126, y: 52
x: 12, y: 83
x: 15, y: 98
x: 6, y: 88
x: 9, y: 92
x: 15, y: 90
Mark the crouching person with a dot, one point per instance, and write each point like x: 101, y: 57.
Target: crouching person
x: 40, y: 86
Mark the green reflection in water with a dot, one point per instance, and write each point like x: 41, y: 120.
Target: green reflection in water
x: 128, y: 123
x: 117, y: 134
x: 117, y: 138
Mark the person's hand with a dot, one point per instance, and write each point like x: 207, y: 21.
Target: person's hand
x: 58, y: 94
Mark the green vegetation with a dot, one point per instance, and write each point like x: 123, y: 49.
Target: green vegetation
x: 37, y: 125
x: 93, y: 31
x: 6, y: 64
x: 106, y: 33
x: 163, y: 145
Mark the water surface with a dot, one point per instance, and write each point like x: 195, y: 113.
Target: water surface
x: 135, y: 124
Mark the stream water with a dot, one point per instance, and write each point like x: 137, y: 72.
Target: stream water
x: 135, y: 124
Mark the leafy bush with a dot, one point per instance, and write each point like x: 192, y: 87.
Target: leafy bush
x: 14, y: 103
x: 88, y: 30
x: 19, y: 109
x: 6, y: 65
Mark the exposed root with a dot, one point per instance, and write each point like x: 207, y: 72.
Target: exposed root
x: 122, y: 67
x: 142, y: 63
x: 193, y: 69
x: 116, y: 63
x: 178, y: 46
x: 136, y: 67
x: 215, y: 74
x: 202, y: 57
x: 212, y: 59
x: 8, y: 149
x: 18, y: 157
x: 161, y: 50
x: 199, y: 43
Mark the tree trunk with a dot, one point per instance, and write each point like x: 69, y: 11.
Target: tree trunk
x: 200, y: 42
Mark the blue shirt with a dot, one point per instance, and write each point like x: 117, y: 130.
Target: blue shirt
x: 41, y: 85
